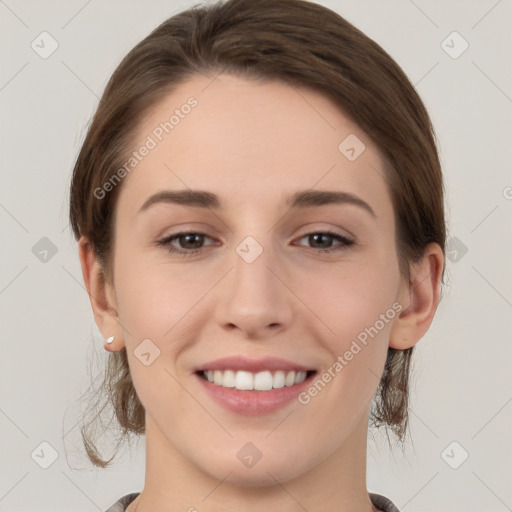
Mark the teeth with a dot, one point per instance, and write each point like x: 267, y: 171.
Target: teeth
x: 290, y: 379
x: 261, y: 381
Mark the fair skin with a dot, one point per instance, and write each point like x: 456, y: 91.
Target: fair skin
x: 253, y: 144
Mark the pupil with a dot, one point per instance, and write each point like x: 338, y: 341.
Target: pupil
x: 321, y: 235
x: 189, y: 236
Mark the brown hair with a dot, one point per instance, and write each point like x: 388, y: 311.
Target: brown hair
x: 300, y: 43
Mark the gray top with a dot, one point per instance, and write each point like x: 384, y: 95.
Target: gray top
x: 381, y: 502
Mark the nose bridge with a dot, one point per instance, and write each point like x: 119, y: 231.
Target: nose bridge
x: 252, y: 278
x: 255, y: 297
x: 254, y: 249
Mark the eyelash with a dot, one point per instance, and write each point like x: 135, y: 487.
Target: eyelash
x: 166, y: 242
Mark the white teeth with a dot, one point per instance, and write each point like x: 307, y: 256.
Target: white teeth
x: 217, y: 377
x: 278, y: 380
x: 228, y: 380
x: 299, y: 377
x: 243, y: 380
x: 290, y: 379
x: 261, y: 381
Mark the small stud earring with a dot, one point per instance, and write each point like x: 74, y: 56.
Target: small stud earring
x: 110, y: 340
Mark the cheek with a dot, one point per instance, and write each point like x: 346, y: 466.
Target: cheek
x: 152, y: 298
x: 357, y: 341
x: 353, y: 296
x: 357, y: 308
x: 340, y: 299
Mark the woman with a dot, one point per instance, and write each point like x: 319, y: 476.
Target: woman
x: 259, y: 209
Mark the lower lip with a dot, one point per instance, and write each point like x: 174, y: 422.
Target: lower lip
x: 252, y: 402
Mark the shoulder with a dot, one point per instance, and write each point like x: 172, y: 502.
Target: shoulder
x: 121, y: 504
x: 382, y: 503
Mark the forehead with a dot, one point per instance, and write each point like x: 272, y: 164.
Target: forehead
x: 252, y: 140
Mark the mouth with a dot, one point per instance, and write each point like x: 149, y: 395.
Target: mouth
x: 253, y: 386
x: 258, y: 393
x: 265, y: 380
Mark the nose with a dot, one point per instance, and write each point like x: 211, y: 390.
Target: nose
x: 255, y: 297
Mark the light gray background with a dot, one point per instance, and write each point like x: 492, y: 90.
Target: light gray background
x: 461, y: 379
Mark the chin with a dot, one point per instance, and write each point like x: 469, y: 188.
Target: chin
x: 261, y: 474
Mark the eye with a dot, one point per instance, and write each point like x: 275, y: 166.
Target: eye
x: 324, y: 239
x: 191, y: 242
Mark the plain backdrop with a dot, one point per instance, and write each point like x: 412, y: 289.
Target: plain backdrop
x: 459, y: 451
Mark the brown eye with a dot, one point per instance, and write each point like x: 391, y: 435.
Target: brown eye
x: 322, y: 241
x: 190, y: 242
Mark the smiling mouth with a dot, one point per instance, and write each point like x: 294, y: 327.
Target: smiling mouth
x: 257, y: 381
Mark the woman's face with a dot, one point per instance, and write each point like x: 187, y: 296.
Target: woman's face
x: 255, y: 282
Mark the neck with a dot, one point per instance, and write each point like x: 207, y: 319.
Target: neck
x: 175, y: 483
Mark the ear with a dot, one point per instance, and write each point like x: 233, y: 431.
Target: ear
x: 102, y: 296
x: 419, y: 298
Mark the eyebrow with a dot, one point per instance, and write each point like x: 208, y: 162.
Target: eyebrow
x: 301, y: 199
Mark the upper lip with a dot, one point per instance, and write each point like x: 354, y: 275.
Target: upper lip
x: 237, y: 363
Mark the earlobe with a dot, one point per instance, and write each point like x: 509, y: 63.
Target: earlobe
x: 101, y: 295
x: 420, y: 298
